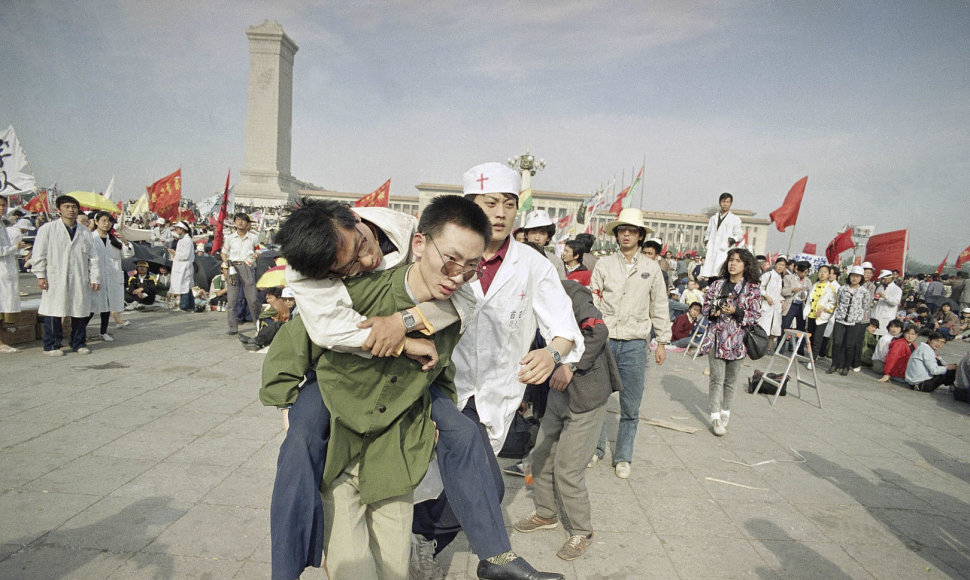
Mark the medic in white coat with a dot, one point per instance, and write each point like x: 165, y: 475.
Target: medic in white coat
x: 111, y: 296
x: 501, y: 323
x: 723, y: 232
x: 183, y: 260
x: 66, y: 268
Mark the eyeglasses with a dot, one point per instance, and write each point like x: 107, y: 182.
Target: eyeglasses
x: 452, y: 268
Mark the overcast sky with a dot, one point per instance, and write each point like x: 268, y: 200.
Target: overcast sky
x: 871, y: 100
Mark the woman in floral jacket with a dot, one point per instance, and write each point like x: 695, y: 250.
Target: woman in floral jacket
x: 733, y: 305
x: 851, y: 308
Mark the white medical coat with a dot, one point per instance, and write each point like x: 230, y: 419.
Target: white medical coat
x: 111, y: 296
x: 887, y: 306
x: 500, y: 326
x: 717, y: 242
x: 770, y: 320
x: 69, y: 265
x: 183, y: 269
x: 9, y: 274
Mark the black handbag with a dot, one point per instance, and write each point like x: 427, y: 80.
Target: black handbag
x: 755, y: 337
x: 756, y: 342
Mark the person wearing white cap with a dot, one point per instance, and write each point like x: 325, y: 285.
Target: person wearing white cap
x: 161, y: 234
x: 183, y: 269
x: 723, y: 231
x: 629, y: 289
x: 9, y: 279
x: 539, y: 229
x: 887, y: 298
x: 851, y: 307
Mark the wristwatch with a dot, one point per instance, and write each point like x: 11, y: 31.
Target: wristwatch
x: 572, y: 367
x: 409, y: 321
x: 555, y: 355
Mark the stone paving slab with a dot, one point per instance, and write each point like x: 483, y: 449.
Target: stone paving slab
x: 151, y: 458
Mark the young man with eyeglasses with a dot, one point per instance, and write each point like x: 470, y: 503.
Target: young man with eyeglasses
x: 297, y: 513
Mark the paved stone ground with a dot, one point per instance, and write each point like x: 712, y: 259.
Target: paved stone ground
x: 152, y: 458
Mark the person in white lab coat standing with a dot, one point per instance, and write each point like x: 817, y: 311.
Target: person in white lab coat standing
x: 66, y: 267
x: 110, y: 251
x: 9, y: 278
x: 183, y: 269
x: 723, y: 231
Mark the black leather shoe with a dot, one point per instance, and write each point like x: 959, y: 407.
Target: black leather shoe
x: 517, y: 569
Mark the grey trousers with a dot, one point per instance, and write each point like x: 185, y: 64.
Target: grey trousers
x: 565, y: 444
x: 245, y: 282
x: 724, y: 374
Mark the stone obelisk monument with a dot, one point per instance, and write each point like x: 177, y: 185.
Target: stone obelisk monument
x: 266, y: 180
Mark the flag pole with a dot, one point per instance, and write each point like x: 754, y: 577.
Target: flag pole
x: 792, y: 237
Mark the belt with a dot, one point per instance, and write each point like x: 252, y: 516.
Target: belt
x: 239, y: 263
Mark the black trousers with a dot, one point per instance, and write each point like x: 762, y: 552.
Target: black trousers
x: 847, y: 346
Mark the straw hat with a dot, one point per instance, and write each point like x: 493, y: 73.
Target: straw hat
x: 630, y: 216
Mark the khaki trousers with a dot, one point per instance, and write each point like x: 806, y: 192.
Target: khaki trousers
x: 365, y: 541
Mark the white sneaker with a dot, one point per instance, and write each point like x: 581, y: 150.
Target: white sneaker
x: 725, y: 418
x: 809, y: 366
x: 54, y: 352
x: 107, y: 337
x: 83, y: 350
x: 719, y: 429
x: 857, y: 369
x: 623, y: 469
x: 592, y: 462
x: 124, y: 324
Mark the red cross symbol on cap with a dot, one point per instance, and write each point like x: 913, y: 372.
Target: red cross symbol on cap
x: 481, y: 180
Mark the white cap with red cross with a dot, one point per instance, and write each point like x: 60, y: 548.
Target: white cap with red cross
x: 491, y: 178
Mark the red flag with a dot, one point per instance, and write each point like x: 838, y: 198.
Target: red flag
x: 563, y: 222
x: 887, y: 251
x: 663, y: 251
x: 165, y: 194
x: 787, y: 214
x: 939, y: 269
x: 744, y: 240
x: 841, y: 243
x: 810, y: 248
x: 186, y: 215
x: 857, y: 261
x: 963, y: 258
x: 618, y: 202
x: 377, y: 198
x: 38, y: 204
x: 219, y: 237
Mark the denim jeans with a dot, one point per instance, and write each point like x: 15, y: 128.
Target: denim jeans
x: 631, y: 360
x: 187, y: 302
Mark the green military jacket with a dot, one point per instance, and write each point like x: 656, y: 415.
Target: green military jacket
x: 380, y: 407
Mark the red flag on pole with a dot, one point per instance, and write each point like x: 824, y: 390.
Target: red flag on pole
x: 887, y: 251
x: 165, y: 194
x: 787, y: 214
x: 810, y: 248
x: 618, y: 202
x: 939, y: 269
x: 841, y: 243
x: 563, y: 222
x: 663, y: 251
x: 377, y: 198
x: 963, y: 258
x: 38, y: 204
x: 219, y: 237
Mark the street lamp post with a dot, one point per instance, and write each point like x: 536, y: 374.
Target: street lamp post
x: 528, y: 165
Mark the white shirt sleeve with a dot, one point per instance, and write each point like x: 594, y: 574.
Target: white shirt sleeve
x: 328, y: 313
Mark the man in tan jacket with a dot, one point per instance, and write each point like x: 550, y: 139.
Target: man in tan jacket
x: 629, y: 289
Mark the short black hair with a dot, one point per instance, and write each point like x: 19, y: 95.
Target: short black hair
x: 802, y: 266
x: 875, y: 322
x: 782, y: 259
x: 922, y: 310
x: 835, y: 269
x: 935, y: 335
x: 276, y: 291
x: 587, y: 240
x: 242, y: 216
x: 578, y: 248
x: 693, y: 304
x: 102, y: 214
x: 309, y: 237
x: 724, y: 196
x: 893, y: 323
x: 651, y: 243
x: 456, y: 210
x: 62, y: 199
x: 550, y: 231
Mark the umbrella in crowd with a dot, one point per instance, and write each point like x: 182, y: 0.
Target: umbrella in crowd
x: 265, y: 261
x: 272, y: 278
x: 206, y: 268
x: 91, y: 200
x: 155, y: 256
